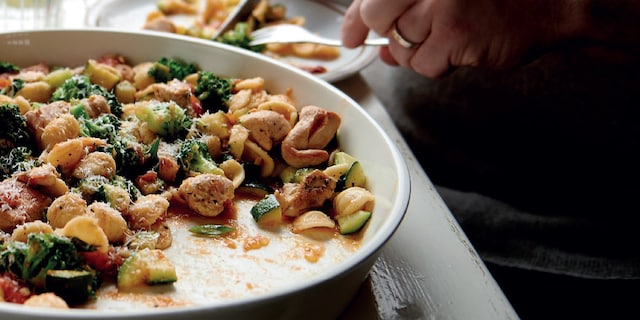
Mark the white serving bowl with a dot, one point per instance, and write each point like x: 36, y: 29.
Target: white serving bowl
x: 321, y: 296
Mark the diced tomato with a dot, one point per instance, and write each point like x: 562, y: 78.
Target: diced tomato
x: 196, y: 105
x: 107, y: 263
x: 4, y: 82
x: 314, y: 69
x: 12, y: 290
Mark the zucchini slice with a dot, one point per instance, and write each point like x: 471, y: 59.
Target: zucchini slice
x: 256, y: 189
x: 342, y: 157
x: 267, y: 212
x: 146, y: 267
x: 354, y: 177
x: 353, y: 222
x: 74, y: 286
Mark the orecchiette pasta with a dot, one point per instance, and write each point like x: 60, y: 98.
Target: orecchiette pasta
x: 67, y: 154
x: 87, y: 229
x: 21, y: 233
x: 60, y: 129
x: 110, y: 220
x: 234, y: 171
x: 352, y: 200
x: 65, y: 208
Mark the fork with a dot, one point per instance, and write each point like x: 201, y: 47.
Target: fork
x: 291, y: 33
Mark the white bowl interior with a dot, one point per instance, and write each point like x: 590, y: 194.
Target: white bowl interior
x: 387, y: 174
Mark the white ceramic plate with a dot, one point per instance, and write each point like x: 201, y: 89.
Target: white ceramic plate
x: 322, y: 17
x: 318, y: 290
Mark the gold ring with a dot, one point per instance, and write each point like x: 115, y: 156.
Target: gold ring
x: 402, y: 41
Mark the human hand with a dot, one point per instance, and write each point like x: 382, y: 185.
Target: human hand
x: 451, y: 33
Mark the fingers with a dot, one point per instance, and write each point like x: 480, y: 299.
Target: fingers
x: 365, y: 15
x: 353, y: 30
x: 386, y: 56
x: 431, y: 58
x: 427, y: 54
x: 380, y: 15
x: 414, y: 45
x: 414, y: 24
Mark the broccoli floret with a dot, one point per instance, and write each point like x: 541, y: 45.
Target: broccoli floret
x: 114, y: 195
x: 128, y: 153
x: 80, y: 87
x: 19, y: 159
x: 127, y: 185
x: 167, y: 119
x: 7, y: 67
x: 214, y: 92
x: 240, y: 36
x: 193, y: 156
x: 167, y: 69
x: 89, y: 186
x: 44, y: 253
x: 14, y: 131
x: 117, y: 192
x: 30, y: 261
x: 126, y: 150
x: 105, y: 126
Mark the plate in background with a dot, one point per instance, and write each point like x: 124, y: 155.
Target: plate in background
x: 322, y: 17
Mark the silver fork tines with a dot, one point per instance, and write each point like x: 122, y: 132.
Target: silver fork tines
x: 290, y: 33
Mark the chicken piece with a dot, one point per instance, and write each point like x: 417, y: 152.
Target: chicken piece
x: 303, y: 146
x: 207, y: 194
x: 96, y: 105
x: 38, y: 118
x: 174, y: 90
x: 44, y: 178
x: 310, y: 193
x: 160, y: 23
x: 146, y: 211
x: 20, y: 204
x: 266, y: 127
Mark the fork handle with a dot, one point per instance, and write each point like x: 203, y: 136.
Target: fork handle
x: 376, y: 42
x: 326, y: 42
x: 367, y: 42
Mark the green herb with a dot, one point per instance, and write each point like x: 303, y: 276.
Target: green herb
x: 211, y: 229
x: 8, y: 67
